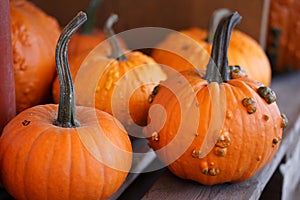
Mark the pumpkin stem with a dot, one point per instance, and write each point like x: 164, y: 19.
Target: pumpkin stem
x: 215, y: 19
x: 218, y: 62
x: 116, y: 50
x: 66, y: 108
x: 93, y: 6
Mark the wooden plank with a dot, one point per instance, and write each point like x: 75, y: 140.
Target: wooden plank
x: 171, y: 187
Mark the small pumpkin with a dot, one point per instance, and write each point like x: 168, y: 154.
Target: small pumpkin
x: 194, y: 51
x: 82, y: 43
x: 63, y: 151
x: 118, y: 83
x: 221, y: 126
x: 34, y: 35
x: 88, y: 37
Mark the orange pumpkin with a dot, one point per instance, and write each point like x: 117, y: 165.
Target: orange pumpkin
x: 117, y: 83
x: 34, y: 35
x: 194, y: 51
x: 88, y: 38
x: 64, y: 152
x: 215, y: 128
x: 82, y: 42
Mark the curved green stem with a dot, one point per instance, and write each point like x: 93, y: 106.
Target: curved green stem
x: 218, y: 62
x: 215, y: 19
x: 66, y: 108
x: 92, y: 9
x: 116, y: 49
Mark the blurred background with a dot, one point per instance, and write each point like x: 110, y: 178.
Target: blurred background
x: 275, y: 24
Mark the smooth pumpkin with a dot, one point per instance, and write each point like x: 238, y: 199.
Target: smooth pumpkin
x: 116, y: 82
x: 82, y: 43
x: 89, y: 36
x: 63, y: 151
x: 34, y: 36
x: 194, y: 51
x: 221, y: 126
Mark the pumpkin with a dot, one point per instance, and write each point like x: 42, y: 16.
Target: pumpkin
x: 34, y: 36
x: 63, y: 151
x: 88, y: 38
x: 194, y: 51
x: 221, y: 126
x: 118, y: 83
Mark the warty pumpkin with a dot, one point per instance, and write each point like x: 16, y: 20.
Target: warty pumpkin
x: 117, y: 82
x: 194, y: 50
x: 221, y: 126
x: 64, y: 151
x: 34, y: 36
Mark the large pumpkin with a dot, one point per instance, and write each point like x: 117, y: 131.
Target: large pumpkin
x: 64, y: 152
x: 34, y: 36
x: 116, y: 82
x: 194, y: 51
x: 215, y: 128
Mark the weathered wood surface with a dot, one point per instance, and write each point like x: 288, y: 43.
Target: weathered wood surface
x: 168, y: 186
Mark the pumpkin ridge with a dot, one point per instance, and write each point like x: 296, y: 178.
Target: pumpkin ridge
x: 70, y: 153
x: 259, y: 107
x: 16, y: 138
x: 170, y: 106
x: 26, y: 163
x: 49, y: 166
x: 238, y: 92
x: 270, y: 113
x: 80, y: 155
x: 13, y: 135
x: 230, y: 92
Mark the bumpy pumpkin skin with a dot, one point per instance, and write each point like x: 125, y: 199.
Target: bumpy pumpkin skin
x: 243, y: 51
x: 138, y: 102
x: 34, y: 37
x: 140, y: 74
x: 53, y: 163
x: 246, y: 142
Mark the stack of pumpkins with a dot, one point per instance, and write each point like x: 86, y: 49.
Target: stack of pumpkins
x: 80, y: 148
